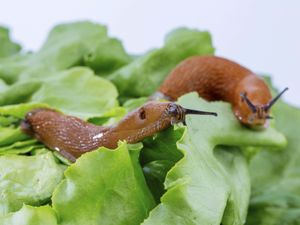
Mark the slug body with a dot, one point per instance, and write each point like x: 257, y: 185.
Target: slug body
x: 72, y: 137
x: 216, y: 78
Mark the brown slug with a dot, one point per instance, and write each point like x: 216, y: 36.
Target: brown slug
x: 216, y: 78
x: 72, y: 137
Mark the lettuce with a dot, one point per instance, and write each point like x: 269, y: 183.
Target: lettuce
x: 108, y: 56
x: 210, y: 184
x: 68, y: 91
x: 143, y: 76
x: 7, y: 47
x: 20, y: 147
x: 27, y: 179
x: 43, y: 215
x: 104, y: 187
x: 275, y: 176
x: 10, y: 135
x: 194, y: 174
x: 67, y: 45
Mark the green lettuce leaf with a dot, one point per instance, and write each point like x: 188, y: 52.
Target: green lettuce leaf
x: 19, y: 93
x: 210, y: 184
x: 27, y: 179
x: 76, y: 91
x: 10, y: 135
x: 104, y: 187
x: 158, y: 156
x: 20, y: 147
x: 7, y: 47
x: 3, y: 85
x: 19, y: 111
x: 275, y: 176
x: 30, y: 215
x: 6, y: 121
x: 12, y: 66
x: 67, y: 45
x: 108, y: 56
x: 162, y: 146
x: 155, y: 173
x: 143, y: 76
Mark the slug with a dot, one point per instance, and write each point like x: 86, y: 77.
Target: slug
x: 216, y: 78
x: 72, y: 137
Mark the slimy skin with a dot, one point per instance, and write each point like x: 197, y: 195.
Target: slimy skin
x: 216, y: 78
x: 72, y: 137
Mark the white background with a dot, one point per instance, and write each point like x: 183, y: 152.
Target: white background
x: 263, y: 35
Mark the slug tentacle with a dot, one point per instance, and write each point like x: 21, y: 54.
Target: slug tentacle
x: 274, y: 100
x: 249, y: 103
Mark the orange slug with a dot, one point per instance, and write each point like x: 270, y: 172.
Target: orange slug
x: 216, y: 78
x: 72, y: 137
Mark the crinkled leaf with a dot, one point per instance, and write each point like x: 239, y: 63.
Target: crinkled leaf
x: 11, y: 67
x: 155, y: 173
x: 237, y: 175
x: 20, y: 110
x: 144, y: 75
x: 7, y: 47
x: 67, y: 45
x: 201, y: 188
x: 162, y: 146
x: 78, y: 92
x: 108, y: 56
x: 10, y: 135
x: 29, y: 215
x: 19, y: 93
x: 20, y: 147
x: 275, y: 176
x: 27, y: 179
x: 159, y: 154
x: 104, y: 187
x: 6, y: 121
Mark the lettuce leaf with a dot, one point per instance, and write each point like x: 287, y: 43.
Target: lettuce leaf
x: 67, y: 45
x: 158, y: 156
x: 275, y: 176
x: 104, y: 187
x: 10, y: 135
x: 67, y: 91
x: 143, y: 76
x: 7, y: 47
x: 201, y: 179
x: 108, y: 56
x: 43, y: 215
x: 77, y: 92
x: 20, y: 147
x: 210, y: 184
x: 27, y: 179
x: 12, y: 66
x: 19, y: 111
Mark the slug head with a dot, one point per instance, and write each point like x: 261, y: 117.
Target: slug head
x: 151, y: 118
x: 255, y: 115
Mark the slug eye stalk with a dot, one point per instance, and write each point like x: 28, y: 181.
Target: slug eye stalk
x: 197, y: 112
x: 274, y: 100
x: 178, y: 113
x: 249, y: 103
